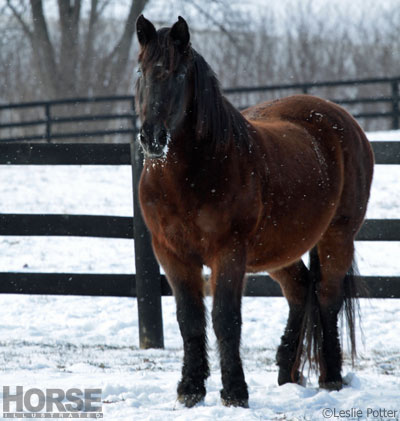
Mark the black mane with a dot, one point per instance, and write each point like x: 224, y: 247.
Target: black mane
x: 217, y: 119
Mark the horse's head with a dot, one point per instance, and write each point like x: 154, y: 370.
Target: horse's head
x: 161, y: 94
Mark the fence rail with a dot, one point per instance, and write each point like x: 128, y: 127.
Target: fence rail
x: 50, y: 121
x: 392, y: 83
x: 121, y: 227
x: 120, y: 154
x: 125, y: 285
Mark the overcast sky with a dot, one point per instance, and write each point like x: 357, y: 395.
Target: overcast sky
x: 257, y: 11
x: 169, y: 9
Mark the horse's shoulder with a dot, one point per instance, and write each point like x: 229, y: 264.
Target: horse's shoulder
x: 288, y: 107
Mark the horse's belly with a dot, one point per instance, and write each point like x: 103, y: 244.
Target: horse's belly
x: 263, y: 258
x: 282, y: 241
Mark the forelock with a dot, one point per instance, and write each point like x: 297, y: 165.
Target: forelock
x: 161, y: 51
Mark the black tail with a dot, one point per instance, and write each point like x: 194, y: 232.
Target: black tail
x: 310, y: 343
x: 353, y: 289
x: 310, y: 338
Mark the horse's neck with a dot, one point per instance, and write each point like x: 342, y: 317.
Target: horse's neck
x: 211, y: 132
x: 192, y: 150
x: 228, y: 130
x: 193, y: 159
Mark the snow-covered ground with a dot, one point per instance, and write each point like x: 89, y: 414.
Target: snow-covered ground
x: 91, y: 342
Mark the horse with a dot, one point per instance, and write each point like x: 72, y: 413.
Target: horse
x: 243, y: 192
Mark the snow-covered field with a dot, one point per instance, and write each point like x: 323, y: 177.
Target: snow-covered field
x: 91, y: 342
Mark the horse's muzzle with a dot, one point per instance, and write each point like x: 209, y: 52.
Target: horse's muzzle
x: 154, y: 141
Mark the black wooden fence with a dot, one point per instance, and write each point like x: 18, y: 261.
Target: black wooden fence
x: 385, y: 102
x: 147, y: 284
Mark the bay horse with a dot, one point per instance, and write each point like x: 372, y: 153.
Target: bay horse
x: 248, y: 192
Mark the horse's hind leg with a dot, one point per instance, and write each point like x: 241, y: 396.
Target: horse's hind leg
x: 187, y: 283
x: 294, y: 283
x: 227, y: 284
x: 335, y: 252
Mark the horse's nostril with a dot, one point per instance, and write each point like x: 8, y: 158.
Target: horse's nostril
x: 146, y: 132
x: 146, y: 136
x: 162, y: 137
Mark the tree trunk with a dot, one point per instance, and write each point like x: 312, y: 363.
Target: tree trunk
x: 70, y: 67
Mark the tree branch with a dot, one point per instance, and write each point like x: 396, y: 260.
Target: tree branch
x: 69, y: 24
x: 219, y: 25
x: 103, y: 6
x: 122, y: 49
x: 76, y: 12
x: 86, y: 67
x: 44, y: 48
x: 21, y: 21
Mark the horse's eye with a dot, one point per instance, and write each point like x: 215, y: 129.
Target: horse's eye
x: 139, y: 71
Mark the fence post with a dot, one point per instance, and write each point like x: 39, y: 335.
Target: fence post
x: 48, y: 122
x: 395, y: 104
x: 148, y: 280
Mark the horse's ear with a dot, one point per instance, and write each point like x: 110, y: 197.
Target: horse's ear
x: 180, y: 33
x: 145, y: 30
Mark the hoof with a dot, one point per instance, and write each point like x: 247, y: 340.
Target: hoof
x: 228, y: 399
x: 333, y: 385
x: 243, y: 403
x: 191, y: 400
x: 190, y: 394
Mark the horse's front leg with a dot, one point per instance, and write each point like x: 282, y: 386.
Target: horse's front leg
x: 187, y: 283
x: 227, y: 284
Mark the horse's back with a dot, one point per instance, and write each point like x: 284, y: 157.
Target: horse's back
x: 323, y: 119
x: 332, y: 130
x: 319, y: 153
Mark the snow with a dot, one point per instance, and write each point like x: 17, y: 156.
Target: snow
x: 92, y: 342
x: 384, y: 135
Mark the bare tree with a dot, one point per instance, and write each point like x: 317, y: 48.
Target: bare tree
x: 72, y: 62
